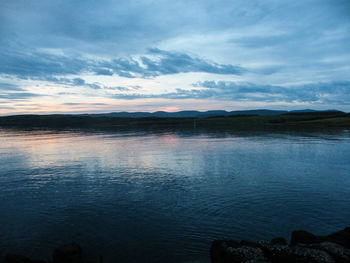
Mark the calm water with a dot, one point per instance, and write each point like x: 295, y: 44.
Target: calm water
x: 165, y: 197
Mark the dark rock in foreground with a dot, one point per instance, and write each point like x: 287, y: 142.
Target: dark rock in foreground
x: 13, y: 258
x: 304, y: 247
x: 69, y: 253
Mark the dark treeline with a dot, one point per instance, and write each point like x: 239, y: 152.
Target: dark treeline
x: 292, y: 121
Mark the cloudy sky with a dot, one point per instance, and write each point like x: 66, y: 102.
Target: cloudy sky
x: 102, y: 56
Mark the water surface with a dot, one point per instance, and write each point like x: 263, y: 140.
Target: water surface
x: 135, y: 197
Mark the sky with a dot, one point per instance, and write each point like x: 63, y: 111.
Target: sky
x: 102, y: 56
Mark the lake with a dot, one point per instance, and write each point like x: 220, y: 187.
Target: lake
x: 164, y: 197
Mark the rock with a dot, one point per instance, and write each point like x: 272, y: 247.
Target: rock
x: 268, y: 251
x: 304, y: 237
x: 309, y: 255
x: 305, y: 247
x: 277, y: 252
x: 341, y: 237
x: 244, y: 254
x: 278, y: 241
x: 69, y: 253
x: 13, y: 258
x: 248, y: 243
x: 231, y: 252
x: 217, y: 251
x: 339, y: 253
x: 257, y: 261
x: 285, y: 254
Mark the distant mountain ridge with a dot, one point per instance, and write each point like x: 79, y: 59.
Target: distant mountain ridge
x: 198, y: 114
x: 185, y: 120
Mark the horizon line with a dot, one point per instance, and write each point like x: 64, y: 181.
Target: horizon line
x: 152, y: 112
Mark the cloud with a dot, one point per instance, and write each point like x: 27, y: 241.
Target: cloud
x: 27, y: 65
x: 160, y: 62
x: 81, y: 82
x: 83, y: 104
x: 44, y: 66
x: 120, y: 88
x: 107, y: 27
x: 332, y: 93
x: 336, y: 92
x: 103, y: 72
x: 177, y: 62
x: 70, y: 82
x: 4, y: 86
x: 10, y: 91
x: 2, y: 107
x: 18, y: 95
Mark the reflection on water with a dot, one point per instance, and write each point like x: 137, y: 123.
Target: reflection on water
x: 165, y: 197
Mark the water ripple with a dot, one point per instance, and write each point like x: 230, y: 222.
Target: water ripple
x: 166, y: 196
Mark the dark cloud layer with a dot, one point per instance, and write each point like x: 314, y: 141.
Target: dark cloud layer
x: 176, y: 62
x: 332, y: 93
x: 4, y: 86
x: 18, y: 95
x: 71, y: 82
x: 9, y: 91
x: 44, y: 66
x: 337, y: 92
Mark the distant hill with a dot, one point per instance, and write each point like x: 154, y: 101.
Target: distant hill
x: 187, y: 114
x: 186, y: 121
x: 306, y: 110
x: 315, y: 113
x: 202, y: 114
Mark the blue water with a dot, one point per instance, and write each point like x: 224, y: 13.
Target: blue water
x: 165, y: 197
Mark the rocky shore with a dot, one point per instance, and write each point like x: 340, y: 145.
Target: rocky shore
x: 304, y: 247
x: 68, y: 253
